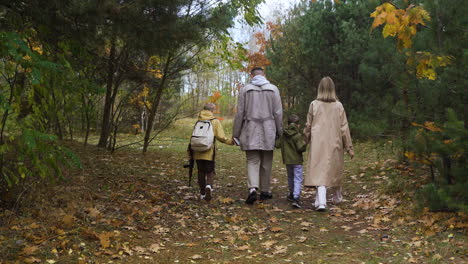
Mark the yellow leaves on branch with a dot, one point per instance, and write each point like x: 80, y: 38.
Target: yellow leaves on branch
x: 141, y: 99
x: 400, y: 23
x: 426, y: 63
x: 152, y: 67
x: 428, y: 125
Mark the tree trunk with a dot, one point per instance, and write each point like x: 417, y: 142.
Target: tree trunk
x: 87, y: 121
x: 154, y: 106
x: 106, y: 119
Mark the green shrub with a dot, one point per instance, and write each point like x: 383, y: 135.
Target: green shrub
x: 443, y: 148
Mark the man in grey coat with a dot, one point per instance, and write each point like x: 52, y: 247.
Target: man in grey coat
x: 257, y: 124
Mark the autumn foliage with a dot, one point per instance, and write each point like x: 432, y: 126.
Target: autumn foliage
x: 403, y: 25
x: 258, y: 58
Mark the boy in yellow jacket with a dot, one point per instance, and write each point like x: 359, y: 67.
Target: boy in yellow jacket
x: 206, y: 159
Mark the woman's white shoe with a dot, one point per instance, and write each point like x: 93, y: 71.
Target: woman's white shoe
x: 321, y: 208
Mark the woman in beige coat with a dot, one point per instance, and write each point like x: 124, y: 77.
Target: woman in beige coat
x: 328, y: 133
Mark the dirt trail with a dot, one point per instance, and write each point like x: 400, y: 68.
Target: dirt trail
x: 133, y: 208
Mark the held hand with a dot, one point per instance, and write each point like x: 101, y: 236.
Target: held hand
x: 235, y: 141
x: 351, y: 153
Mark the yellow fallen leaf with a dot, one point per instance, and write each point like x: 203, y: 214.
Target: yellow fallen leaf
x: 33, y: 226
x: 68, y: 220
x: 226, y: 200
x: 276, y: 229
x: 323, y: 229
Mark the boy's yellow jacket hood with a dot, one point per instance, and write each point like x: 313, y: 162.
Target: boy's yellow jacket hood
x: 205, y: 115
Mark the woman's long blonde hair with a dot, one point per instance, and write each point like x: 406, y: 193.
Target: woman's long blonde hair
x: 326, y: 90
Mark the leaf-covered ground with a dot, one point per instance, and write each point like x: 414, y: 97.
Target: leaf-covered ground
x: 135, y: 208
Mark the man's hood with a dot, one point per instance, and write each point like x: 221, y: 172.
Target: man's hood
x: 259, y: 80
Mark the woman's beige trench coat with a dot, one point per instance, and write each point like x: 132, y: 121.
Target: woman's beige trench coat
x: 328, y: 133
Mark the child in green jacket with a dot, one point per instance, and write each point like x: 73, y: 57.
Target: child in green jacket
x: 292, y: 146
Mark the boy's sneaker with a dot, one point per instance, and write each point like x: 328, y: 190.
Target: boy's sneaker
x: 251, y: 198
x: 296, y: 203
x: 321, y: 208
x: 290, y: 197
x: 208, y: 191
x: 265, y: 196
x: 202, y: 197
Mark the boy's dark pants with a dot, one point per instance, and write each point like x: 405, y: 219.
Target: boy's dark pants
x: 206, y: 172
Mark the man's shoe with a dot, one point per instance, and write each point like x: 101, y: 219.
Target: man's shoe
x: 265, y: 196
x: 321, y: 208
x: 208, y: 191
x: 296, y: 203
x: 290, y: 197
x: 251, y: 198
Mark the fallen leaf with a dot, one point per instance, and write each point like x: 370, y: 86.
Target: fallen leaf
x: 33, y: 226
x: 301, y: 239
x: 139, y: 250
x: 276, y: 229
x: 127, y: 250
x: 32, y: 260
x: 349, y: 212
x: 244, y: 247
x: 346, y: 228
x: 226, y: 200
x: 155, y: 248
x: 68, y: 220
x: 93, y: 212
x: 29, y: 250
x: 363, y: 231
x: 280, y: 250
x: 268, y: 243
x: 104, y: 238
x: 195, y: 257
x: 323, y: 229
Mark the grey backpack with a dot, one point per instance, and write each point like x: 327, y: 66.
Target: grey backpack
x: 202, y: 136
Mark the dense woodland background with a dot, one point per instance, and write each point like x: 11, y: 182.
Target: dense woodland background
x: 71, y: 69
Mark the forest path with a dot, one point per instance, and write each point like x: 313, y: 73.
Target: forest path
x: 134, y: 208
